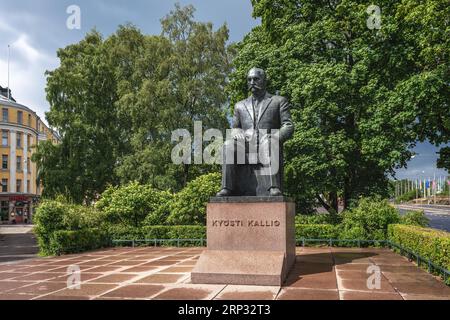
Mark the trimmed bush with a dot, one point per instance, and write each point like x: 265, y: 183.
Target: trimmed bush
x: 431, y: 244
x: 189, y: 205
x: 135, y: 205
x: 322, y: 218
x: 316, y: 231
x: 64, y: 242
x: 55, y: 215
x: 415, y: 218
x: 369, y: 220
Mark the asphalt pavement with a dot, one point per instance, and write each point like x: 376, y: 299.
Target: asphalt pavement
x: 439, y: 215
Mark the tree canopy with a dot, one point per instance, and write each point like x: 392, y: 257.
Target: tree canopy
x: 116, y: 101
x: 361, y: 96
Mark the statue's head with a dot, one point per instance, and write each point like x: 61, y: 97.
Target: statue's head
x: 256, y: 81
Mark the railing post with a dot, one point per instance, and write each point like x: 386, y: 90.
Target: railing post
x: 303, y: 242
x: 178, y: 242
x: 132, y: 243
x: 429, y: 266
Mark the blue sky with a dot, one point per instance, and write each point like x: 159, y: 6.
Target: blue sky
x: 36, y: 29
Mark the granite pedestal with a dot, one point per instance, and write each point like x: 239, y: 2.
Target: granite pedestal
x: 251, y: 241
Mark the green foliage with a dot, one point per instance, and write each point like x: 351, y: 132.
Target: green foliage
x: 189, y: 205
x: 116, y: 101
x: 408, y: 196
x: 322, y: 218
x: 369, y: 220
x: 316, y: 231
x: 429, y: 243
x: 65, y: 242
x: 415, y: 218
x: 133, y: 204
x: 360, y: 97
x: 53, y: 216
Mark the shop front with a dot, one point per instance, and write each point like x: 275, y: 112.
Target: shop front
x: 17, y: 209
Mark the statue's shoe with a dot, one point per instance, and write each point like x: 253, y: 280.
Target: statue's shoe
x: 224, y: 193
x: 275, y: 192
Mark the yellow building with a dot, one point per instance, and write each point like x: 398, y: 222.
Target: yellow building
x: 21, y: 130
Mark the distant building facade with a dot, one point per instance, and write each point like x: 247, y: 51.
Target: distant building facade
x: 21, y: 130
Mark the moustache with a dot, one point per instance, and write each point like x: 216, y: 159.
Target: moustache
x: 251, y: 86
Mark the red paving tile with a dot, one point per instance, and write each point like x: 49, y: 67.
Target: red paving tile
x: 177, y: 269
x: 86, y: 290
x: 161, y: 278
x: 139, y: 269
x: 113, y: 278
x: 183, y: 294
x: 358, y: 295
x: 319, y: 273
x: 134, y: 291
x: 307, y: 294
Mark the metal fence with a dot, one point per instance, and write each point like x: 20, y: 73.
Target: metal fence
x: 432, y: 268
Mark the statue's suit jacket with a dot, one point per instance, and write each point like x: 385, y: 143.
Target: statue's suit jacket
x: 274, y: 114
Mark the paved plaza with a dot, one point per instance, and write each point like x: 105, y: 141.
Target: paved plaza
x: 164, y: 273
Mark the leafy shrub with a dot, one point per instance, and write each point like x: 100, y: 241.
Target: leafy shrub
x: 48, y: 218
x: 369, y: 220
x: 64, y: 242
x: 322, y: 218
x: 54, y: 215
x: 408, y: 196
x: 189, y: 205
x: 134, y: 203
x: 431, y: 244
x: 316, y: 231
x: 415, y: 218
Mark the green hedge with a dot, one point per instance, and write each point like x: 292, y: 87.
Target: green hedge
x: 429, y: 243
x: 316, y: 231
x: 64, y: 242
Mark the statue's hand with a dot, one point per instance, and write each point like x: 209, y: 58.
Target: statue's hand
x: 239, y: 136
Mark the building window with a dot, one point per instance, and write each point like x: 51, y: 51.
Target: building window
x: 28, y: 186
x: 5, y: 161
x: 4, y: 185
x: 4, y: 138
x: 28, y: 165
x: 19, y: 185
x: 4, y: 211
x: 19, y: 163
x: 29, y: 141
x: 19, y: 140
x: 29, y: 120
x: 19, y: 117
x: 5, y: 115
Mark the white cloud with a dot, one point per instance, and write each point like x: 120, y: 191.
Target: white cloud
x: 27, y: 67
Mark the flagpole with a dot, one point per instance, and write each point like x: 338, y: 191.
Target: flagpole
x: 9, y: 55
x: 434, y: 185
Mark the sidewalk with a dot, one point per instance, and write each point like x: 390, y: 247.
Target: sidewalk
x: 164, y: 273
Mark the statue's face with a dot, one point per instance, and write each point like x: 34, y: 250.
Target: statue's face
x: 256, y: 81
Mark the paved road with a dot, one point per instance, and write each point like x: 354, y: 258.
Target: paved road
x: 17, y: 243
x: 439, y: 215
